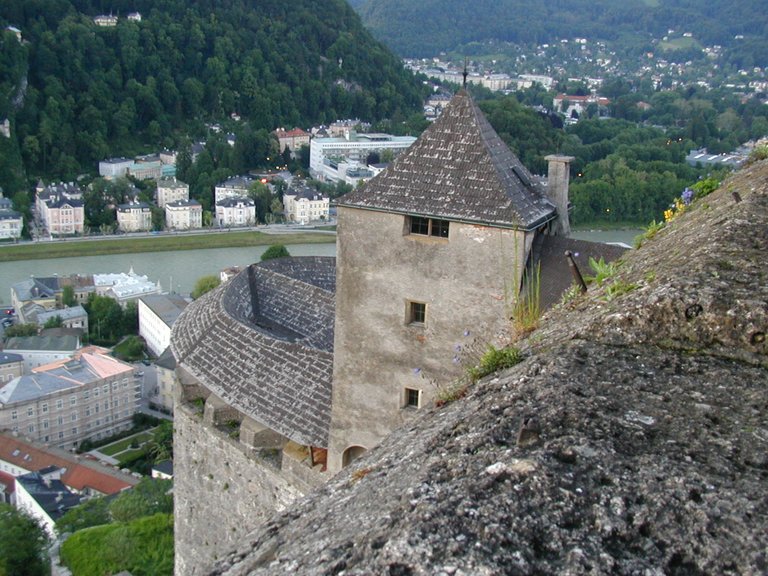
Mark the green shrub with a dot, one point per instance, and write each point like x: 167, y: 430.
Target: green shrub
x: 493, y: 360
x: 143, y: 547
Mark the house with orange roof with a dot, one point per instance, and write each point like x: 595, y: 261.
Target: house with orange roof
x: 293, y: 140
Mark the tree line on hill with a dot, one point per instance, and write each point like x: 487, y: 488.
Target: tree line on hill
x: 424, y: 28
x: 77, y: 92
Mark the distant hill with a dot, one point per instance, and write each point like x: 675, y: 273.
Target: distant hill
x: 76, y: 92
x: 416, y: 28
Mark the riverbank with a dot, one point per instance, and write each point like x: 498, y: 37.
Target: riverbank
x: 90, y: 246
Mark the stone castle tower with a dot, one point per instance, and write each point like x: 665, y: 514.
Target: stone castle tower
x: 295, y: 367
x: 430, y: 253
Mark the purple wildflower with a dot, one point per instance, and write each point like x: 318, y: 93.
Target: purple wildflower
x: 457, y: 348
x: 687, y: 196
x: 456, y: 359
x: 417, y: 371
x: 467, y: 332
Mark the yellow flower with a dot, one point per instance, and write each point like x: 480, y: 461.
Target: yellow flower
x: 668, y: 215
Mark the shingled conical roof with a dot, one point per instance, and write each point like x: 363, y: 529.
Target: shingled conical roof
x: 459, y: 169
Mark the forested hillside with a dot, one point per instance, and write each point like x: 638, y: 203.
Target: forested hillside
x: 415, y: 28
x: 76, y: 92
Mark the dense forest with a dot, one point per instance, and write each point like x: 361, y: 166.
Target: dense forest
x: 423, y: 28
x: 76, y: 93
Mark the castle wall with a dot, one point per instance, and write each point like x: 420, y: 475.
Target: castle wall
x: 468, y: 283
x: 221, y: 491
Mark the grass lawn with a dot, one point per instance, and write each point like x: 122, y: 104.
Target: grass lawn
x: 162, y: 243
x: 128, y: 455
x: 125, y: 443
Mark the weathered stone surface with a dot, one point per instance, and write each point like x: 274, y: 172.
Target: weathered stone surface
x: 645, y: 448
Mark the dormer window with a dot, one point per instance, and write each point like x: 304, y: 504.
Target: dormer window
x: 421, y: 226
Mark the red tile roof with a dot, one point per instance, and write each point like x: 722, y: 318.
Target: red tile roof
x: 78, y: 476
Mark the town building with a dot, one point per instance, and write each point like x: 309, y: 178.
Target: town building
x: 352, y: 148
x: 11, y: 366
x: 125, y: 287
x: 31, y: 296
x: 304, y: 204
x: 11, y: 222
x: 235, y: 211
x: 44, y: 497
x: 235, y: 187
x: 113, y: 168
x: 105, y: 20
x: 157, y: 313
x: 60, y: 209
x: 171, y: 190
x: 89, y: 395
x: 39, y: 351
x: 70, y: 317
x: 183, y: 215
x: 134, y: 217
x: 292, y: 140
x: 574, y: 107
x: 161, y: 396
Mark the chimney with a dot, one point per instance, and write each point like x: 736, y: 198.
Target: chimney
x: 557, y: 190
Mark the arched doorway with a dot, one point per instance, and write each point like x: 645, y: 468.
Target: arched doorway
x: 351, y: 454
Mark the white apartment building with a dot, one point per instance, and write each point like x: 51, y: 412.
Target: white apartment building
x: 236, y: 212
x: 11, y: 366
x: 11, y: 222
x: 183, y: 215
x: 134, y: 217
x: 157, y: 313
x: 112, y: 168
x: 91, y: 395
x: 171, y: 190
x: 235, y: 187
x: 304, y: 204
x: 351, y: 148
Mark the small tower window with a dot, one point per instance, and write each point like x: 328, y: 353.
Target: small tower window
x: 412, y: 398
x: 417, y: 313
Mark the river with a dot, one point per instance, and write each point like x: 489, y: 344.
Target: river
x: 177, y: 271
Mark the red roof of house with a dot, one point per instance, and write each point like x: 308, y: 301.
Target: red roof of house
x: 295, y: 133
x: 77, y: 476
x: 8, y: 481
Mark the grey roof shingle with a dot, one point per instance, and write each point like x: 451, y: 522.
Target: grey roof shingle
x: 458, y: 169
x: 263, y: 343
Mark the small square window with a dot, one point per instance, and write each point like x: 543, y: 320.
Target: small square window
x: 417, y: 313
x: 412, y: 398
x: 419, y: 225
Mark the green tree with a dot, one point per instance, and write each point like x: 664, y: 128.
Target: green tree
x: 53, y: 322
x: 275, y: 251
x: 23, y: 544
x: 68, y: 296
x: 205, y: 284
x: 93, y: 512
x: 150, y: 496
x: 21, y: 330
x: 162, y: 442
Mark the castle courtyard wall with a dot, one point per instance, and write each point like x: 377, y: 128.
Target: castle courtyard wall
x: 222, y: 491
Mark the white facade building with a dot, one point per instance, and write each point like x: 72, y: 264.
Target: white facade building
x: 170, y: 190
x: 236, y: 187
x: 304, y: 204
x: 236, y: 212
x: 134, y: 217
x: 112, y: 168
x: 183, y: 215
x: 125, y: 287
x: 352, y: 148
x: 157, y: 313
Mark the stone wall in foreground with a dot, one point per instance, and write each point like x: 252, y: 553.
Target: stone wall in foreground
x: 222, y: 490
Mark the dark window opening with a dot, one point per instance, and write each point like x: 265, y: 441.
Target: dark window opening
x: 429, y: 227
x: 417, y: 313
x: 412, y: 398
